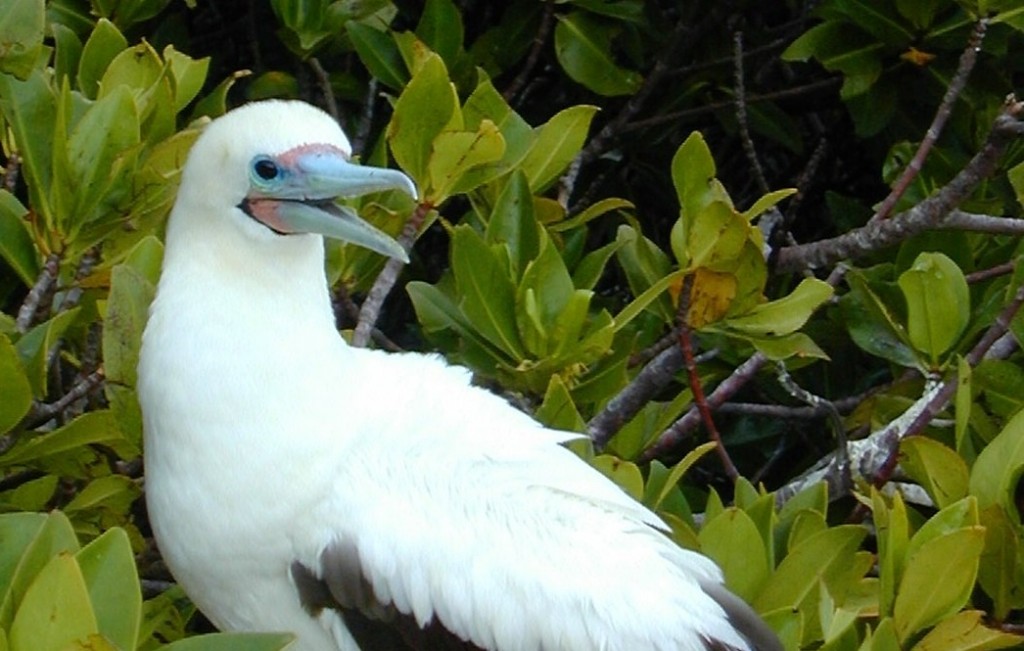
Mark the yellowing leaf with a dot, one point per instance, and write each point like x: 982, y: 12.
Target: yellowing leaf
x: 456, y: 152
x: 710, y: 297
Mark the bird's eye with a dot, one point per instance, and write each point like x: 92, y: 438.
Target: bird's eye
x: 266, y: 169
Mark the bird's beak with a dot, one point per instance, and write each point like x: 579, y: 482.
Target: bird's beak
x: 301, y: 198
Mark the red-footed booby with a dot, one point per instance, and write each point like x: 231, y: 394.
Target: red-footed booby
x: 365, y: 500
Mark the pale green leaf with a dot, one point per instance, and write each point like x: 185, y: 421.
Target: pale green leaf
x: 938, y: 469
x: 56, y: 610
x: 938, y: 303
x: 14, y: 386
x: 108, y: 568
x: 556, y: 144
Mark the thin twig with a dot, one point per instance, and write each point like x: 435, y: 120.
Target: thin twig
x: 992, y: 272
x: 830, y: 83
x: 33, y: 301
x: 540, y: 39
x: 362, y: 132
x: 676, y: 433
x: 686, y: 344
x: 43, y: 412
x: 11, y: 170
x: 931, y: 213
x: 956, y: 85
x: 842, y: 453
x: 875, y: 457
x: 387, y: 278
x: 741, y: 115
x: 324, y: 82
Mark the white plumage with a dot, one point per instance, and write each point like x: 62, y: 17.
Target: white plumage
x: 296, y: 483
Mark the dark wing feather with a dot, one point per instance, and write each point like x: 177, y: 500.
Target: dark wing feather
x: 374, y: 624
x: 743, y: 618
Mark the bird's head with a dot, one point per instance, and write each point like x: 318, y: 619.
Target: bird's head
x: 274, y: 169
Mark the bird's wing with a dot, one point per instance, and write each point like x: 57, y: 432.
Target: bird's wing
x: 481, y: 531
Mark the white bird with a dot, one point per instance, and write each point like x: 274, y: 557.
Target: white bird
x: 365, y: 500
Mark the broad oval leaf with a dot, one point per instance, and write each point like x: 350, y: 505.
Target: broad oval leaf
x: 734, y: 542
x: 938, y: 580
x: 108, y: 568
x: 556, y: 144
x: 56, y: 610
x: 938, y: 303
x: 14, y: 386
x: 998, y: 468
x: 582, y: 44
x: 938, y: 469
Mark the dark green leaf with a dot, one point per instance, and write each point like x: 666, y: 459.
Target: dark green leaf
x: 582, y: 44
x: 378, y: 52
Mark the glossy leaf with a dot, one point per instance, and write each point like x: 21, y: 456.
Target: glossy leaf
x: 966, y: 631
x: 557, y: 142
x: 91, y: 427
x: 30, y: 541
x: 813, y: 560
x: 56, y: 610
x: 440, y: 27
x: 512, y: 222
x: 426, y: 107
x: 29, y: 109
x: 785, y: 315
x: 488, y: 296
x: 999, y: 571
x: 108, y: 568
x: 457, y: 152
x: 938, y: 303
x: 997, y: 469
x: 938, y: 469
x: 582, y: 43
x: 872, y: 324
x: 105, y: 43
x: 16, y: 246
x: 378, y: 52
x: 938, y: 580
x: 733, y: 541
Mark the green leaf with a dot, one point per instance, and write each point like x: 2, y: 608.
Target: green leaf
x: 512, y: 222
x: 14, y: 386
x: 966, y: 631
x: 29, y: 109
x: 233, y: 642
x: 640, y: 303
x: 486, y: 103
x: 556, y: 144
x: 938, y: 469
x: 872, y: 324
x: 795, y: 344
x: 998, y: 468
x: 999, y: 567
x: 378, y: 52
x: 693, y: 175
x: 436, y: 312
x: 785, y: 315
x: 962, y: 402
x: 55, y: 611
x: 558, y: 409
x: 893, y: 542
x: 189, y: 75
x: 938, y: 303
x: 116, y: 492
x: 127, y: 311
x: 21, y: 35
x: 108, y: 568
x: 215, y: 104
x: 30, y: 541
x: 582, y: 45
x: 734, y: 542
x: 427, y: 107
x: 105, y: 43
x: 440, y: 27
x: 91, y: 427
x: 767, y: 202
x: 35, y: 346
x: 938, y: 580
x: 812, y: 560
x: 96, y: 148
x: 457, y: 152
x: 487, y: 295
x: 624, y: 473
x: 677, y: 472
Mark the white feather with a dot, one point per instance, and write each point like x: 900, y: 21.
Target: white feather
x: 268, y: 439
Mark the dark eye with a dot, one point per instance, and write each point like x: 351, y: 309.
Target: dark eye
x: 266, y: 169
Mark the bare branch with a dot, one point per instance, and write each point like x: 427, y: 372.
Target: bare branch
x: 40, y: 290
x: 741, y: 115
x: 540, y: 39
x: 930, y: 213
x: 956, y: 85
x: 11, y: 170
x: 324, y: 82
x: 387, y: 278
x: 42, y: 412
x: 673, y: 437
x: 875, y: 457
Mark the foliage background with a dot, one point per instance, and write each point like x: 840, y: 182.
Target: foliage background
x: 605, y: 231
